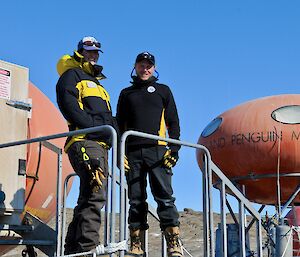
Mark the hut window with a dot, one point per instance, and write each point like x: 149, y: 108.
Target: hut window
x: 212, y: 127
x: 287, y: 114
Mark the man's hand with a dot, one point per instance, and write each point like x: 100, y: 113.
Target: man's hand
x: 170, y: 159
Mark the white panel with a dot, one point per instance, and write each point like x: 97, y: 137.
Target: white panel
x: 13, y: 127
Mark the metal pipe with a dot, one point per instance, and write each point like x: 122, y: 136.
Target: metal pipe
x: 263, y: 176
x: 127, y: 213
x: 278, y: 181
x: 59, y: 195
x: 163, y: 246
x: 284, y: 241
x: 253, y: 219
x: 122, y: 221
x: 113, y: 185
x: 232, y: 213
x: 64, y: 221
x: 291, y: 198
x: 259, y: 238
x: 242, y: 229
x: 107, y: 210
x: 208, y: 196
x: 146, y: 242
x: 58, y: 204
x: 223, y: 220
x: 54, y: 136
x: 205, y: 209
x: 154, y: 137
x: 211, y: 214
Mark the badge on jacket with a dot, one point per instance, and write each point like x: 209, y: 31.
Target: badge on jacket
x: 151, y: 89
x: 91, y: 84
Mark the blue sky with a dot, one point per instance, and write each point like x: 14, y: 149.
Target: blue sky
x: 213, y: 54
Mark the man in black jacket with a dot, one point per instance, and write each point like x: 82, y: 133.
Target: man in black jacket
x: 85, y: 103
x: 149, y: 107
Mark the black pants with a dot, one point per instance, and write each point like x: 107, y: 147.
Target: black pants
x: 145, y: 161
x: 83, y: 231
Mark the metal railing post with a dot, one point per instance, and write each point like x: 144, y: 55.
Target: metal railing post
x: 122, y: 192
x: 259, y: 238
x: 163, y: 246
x: 126, y: 214
x: 107, y: 211
x: 64, y: 216
x: 242, y: 229
x: 223, y: 220
x: 211, y: 214
x: 113, y: 185
x: 146, y: 242
x: 58, y: 205
x: 206, y: 210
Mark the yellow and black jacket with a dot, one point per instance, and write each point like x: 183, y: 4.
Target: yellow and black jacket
x: 82, y: 99
x: 149, y: 107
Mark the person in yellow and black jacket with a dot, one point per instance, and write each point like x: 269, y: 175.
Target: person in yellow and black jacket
x: 85, y: 103
x: 149, y: 107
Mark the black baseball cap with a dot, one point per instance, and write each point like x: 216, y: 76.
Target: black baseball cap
x: 145, y: 56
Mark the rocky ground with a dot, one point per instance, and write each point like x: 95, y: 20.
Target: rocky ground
x: 192, y: 234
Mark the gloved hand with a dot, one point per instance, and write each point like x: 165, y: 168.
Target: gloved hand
x: 97, y: 178
x: 170, y: 159
x: 126, y: 164
x: 93, y: 167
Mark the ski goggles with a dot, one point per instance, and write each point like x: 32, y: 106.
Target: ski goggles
x: 90, y: 43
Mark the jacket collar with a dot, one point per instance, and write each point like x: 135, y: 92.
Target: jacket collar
x: 76, y: 61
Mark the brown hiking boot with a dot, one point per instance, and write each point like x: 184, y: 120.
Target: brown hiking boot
x: 173, y: 245
x: 135, y: 244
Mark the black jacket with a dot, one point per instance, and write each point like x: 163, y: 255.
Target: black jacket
x: 149, y: 107
x: 83, y: 101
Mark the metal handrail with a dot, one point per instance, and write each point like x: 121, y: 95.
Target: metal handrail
x: 55, y: 136
x: 59, y: 178
x: 154, y: 137
x: 64, y: 210
x: 151, y: 211
x: 244, y: 203
x: 209, y: 168
x: 107, y: 227
x: 107, y: 208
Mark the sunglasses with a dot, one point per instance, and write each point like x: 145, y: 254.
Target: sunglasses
x: 90, y: 43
